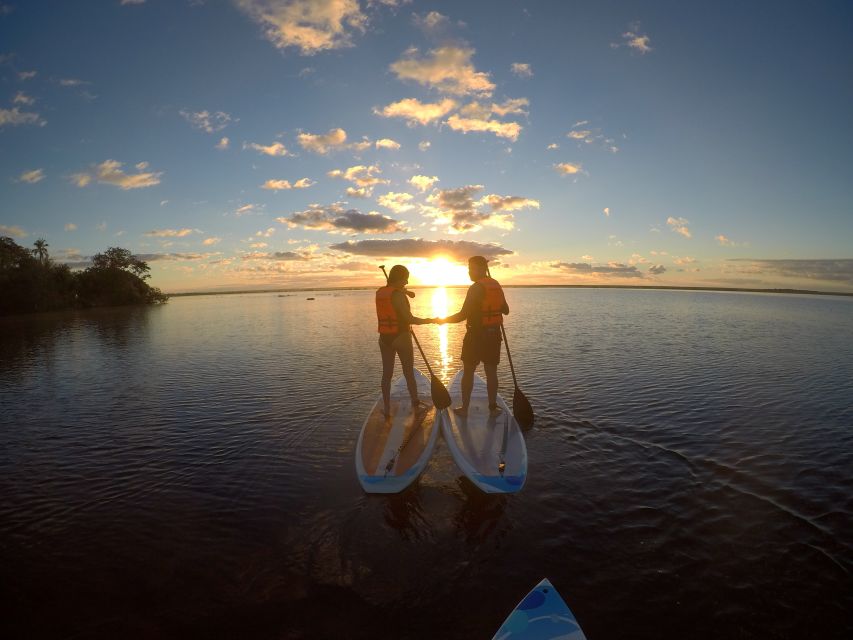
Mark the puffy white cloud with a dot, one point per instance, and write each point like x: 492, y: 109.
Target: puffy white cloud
x: 657, y: 269
x: 323, y: 143
x: 387, y: 143
x: 223, y: 143
x: 110, y: 172
x: 509, y: 203
x: 209, y: 242
x: 27, y: 75
x: 508, y: 130
x: 423, y: 146
x: 279, y: 185
x: 415, y: 112
x: 275, y: 149
x: 432, y: 23
x: 568, y: 168
x: 511, y: 106
x: 23, y: 98
x: 422, y: 183
x: 397, y: 202
x: 310, y: 26
x: 522, y: 69
x: 553, y: 146
x: 725, y: 241
x: 607, y: 211
x: 679, y: 225
x: 15, y: 116
x: 169, y: 233
x: 335, y: 219
x: 457, y: 209
x: 635, y: 40
x: 31, y: 177
x: 360, y: 175
x: 247, y: 209
x: 71, y: 227
x: 828, y: 270
x: 207, y: 121
x: 686, y: 260
x: 359, y: 192
x: 447, y: 69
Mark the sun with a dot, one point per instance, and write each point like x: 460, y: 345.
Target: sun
x: 439, y: 272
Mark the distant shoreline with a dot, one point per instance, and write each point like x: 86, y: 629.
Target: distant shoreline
x: 529, y: 286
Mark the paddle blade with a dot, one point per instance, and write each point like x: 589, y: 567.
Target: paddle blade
x: 521, y: 409
x: 440, y: 395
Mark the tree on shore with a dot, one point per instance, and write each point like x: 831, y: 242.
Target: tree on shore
x: 31, y: 281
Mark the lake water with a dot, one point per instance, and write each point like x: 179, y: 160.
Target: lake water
x: 187, y: 471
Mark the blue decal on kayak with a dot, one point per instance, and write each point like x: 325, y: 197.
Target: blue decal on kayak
x: 534, y: 600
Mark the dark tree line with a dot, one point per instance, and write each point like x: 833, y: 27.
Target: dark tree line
x: 31, y: 281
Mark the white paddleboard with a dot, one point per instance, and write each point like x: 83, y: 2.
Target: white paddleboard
x: 489, y: 449
x: 391, y: 453
x: 542, y: 615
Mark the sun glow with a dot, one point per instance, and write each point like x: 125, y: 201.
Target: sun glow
x: 439, y: 272
x: 440, y: 309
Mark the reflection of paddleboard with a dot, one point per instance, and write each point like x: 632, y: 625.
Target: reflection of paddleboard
x: 542, y: 615
x: 390, y: 454
x: 490, y: 450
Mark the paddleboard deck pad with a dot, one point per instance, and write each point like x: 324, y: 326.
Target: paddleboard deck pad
x: 392, y: 452
x: 489, y: 449
x: 542, y: 615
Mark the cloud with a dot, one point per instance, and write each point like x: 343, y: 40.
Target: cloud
x: 591, y: 137
x: 363, y: 177
x: 15, y: 116
x: 685, y: 260
x: 31, y: 177
x: 110, y: 172
x: 522, y: 69
x: 274, y: 149
x: 511, y: 106
x: 71, y: 82
x: 728, y: 242
x: 679, y: 225
x: 169, y: 233
x: 279, y: 185
x: 23, y: 98
x: 71, y: 227
x: 433, y: 24
x: 323, y: 143
x: 27, y: 75
x: 277, y: 255
x: 223, y: 144
x: 657, y: 269
x: 508, y: 130
x: 207, y: 121
x: 265, y: 234
x: 423, y: 146
x: 447, y: 69
x: 610, y: 270
x: 13, y: 231
x: 459, y: 250
x: 311, y: 26
x: 634, y: 40
x: 177, y: 257
x: 568, y: 168
x: 509, y: 203
x: 132, y: 2
x: 387, y: 143
x: 209, y: 242
x: 416, y: 112
x: 397, y: 202
x: 422, y: 183
x: 552, y: 146
x: 607, y: 211
x: 246, y: 209
x: 359, y: 192
x: 827, y: 270
x: 335, y: 219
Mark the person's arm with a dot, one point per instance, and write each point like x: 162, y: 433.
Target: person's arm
x: 404, y: 313
x: 472, y: 303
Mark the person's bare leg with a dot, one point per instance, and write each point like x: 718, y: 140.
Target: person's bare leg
x: 492, y: 386
x: 467, y: 388
x: 407, y: 362
x: 388, y: 357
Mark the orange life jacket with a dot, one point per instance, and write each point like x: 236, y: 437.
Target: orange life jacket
x: 493, y: 302
x: 385, y: 313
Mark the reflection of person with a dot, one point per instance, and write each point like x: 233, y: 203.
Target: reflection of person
x: 483, y: 309
x: 395, y: 335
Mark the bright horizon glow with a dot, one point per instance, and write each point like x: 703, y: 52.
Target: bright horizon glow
x: 439, y: 272
x: 596, y: 144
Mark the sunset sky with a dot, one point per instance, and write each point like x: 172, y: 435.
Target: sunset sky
x: 300, y: 143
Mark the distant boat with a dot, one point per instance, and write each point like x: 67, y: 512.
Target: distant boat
x: 309, y: 298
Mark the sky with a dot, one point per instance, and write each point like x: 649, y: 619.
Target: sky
x: 241, y: 144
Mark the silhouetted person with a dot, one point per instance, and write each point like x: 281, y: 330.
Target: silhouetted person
x: 483, y: 309
x: 395, y: 335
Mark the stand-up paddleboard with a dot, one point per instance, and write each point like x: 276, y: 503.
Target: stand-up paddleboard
x: 542, y: 615
x: 391, y: 453
x: 489, y: 449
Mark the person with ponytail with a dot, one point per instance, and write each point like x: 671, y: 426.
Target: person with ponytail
x: 395, y: 336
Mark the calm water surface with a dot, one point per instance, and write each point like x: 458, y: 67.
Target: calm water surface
x: 187, y: 471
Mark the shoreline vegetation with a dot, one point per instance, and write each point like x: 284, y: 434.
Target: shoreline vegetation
x: 809, y: 292
x: 31, y: 282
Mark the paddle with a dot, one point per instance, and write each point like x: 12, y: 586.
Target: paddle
x: 440, y: 395
x: 521, y: 408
